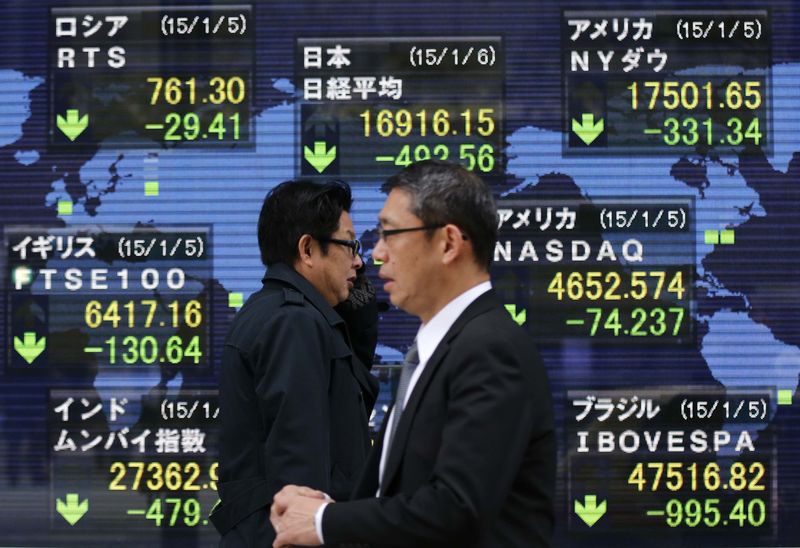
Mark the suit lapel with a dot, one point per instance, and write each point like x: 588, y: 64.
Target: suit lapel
x: 482, y: 304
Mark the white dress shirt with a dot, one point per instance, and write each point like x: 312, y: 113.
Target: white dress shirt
x: 428, y: 338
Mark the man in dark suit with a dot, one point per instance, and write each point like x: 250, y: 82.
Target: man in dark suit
x: 294, y: 398
x: 467, y: 456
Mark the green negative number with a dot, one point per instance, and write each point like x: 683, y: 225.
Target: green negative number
x: 482, y: 158
x: 737, y: 135
x: 188, y: 127
x: 687, y: 132
x: 408, y: 155
x: 171, y: 509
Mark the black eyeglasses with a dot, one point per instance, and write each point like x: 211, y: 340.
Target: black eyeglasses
x: 354, y: 245
x: 383, y: 233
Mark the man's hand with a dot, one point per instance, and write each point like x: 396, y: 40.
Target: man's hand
x: 304, y: 491
x: 292, y: 516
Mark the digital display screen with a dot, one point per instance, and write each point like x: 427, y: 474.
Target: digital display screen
x: 645, y: 161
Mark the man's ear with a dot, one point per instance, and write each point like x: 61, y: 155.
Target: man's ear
x: 305, y: 250
x: 454, y: 243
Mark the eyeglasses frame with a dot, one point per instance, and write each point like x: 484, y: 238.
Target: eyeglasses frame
x: 354, y: 245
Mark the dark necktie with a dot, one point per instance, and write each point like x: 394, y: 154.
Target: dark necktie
x: 410, y: 363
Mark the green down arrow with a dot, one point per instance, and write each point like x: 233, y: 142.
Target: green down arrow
x: 72, y: 510
x: 73, y: 125
x: 590, y: 512
x: 29, y: 348
x: 587, y: 129
x: 320, y: 158
x: 518, y: 317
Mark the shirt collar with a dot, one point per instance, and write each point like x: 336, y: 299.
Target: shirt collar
x: 431, y: 334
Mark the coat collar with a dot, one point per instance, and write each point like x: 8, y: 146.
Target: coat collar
x: 484, y: 303
x: 287, y: 275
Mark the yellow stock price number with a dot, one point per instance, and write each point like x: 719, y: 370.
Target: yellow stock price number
x: 174, y: 91
x: 157, y: 476
x: 126, y: 314
x: 612, y: 287
x: 672, y: 95
x: 676, y: 476
x: 439, y: 122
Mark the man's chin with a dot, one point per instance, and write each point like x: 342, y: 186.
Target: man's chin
x: 395, y: 300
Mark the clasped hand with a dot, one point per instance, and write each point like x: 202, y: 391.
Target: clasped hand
x: 292, y: 515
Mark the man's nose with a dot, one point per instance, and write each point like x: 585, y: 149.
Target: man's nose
x: 379, y: 251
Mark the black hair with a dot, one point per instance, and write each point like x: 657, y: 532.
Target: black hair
x: 298, y: 207
x: 444, y: 193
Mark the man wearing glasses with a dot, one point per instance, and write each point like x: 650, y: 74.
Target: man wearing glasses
x: 294, y: 396
x: 466, y: 458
